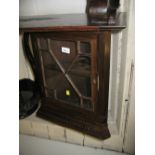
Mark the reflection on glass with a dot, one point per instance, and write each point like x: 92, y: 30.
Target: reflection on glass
x: 57, y: 85
x: 87, y: 104
x: 67, y: 72
x: 80, y: 74
x: 84, y: 47
x: 43, y: 44
x: 65, y: 52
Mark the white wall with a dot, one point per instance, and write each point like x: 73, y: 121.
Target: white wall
x: 44, y: 7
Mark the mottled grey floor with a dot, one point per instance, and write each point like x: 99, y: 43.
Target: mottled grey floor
x: 29, y: 145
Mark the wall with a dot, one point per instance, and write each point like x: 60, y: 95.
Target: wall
x: 39, y: 7
x: 122, y: 53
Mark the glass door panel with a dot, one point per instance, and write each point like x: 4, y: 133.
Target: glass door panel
x: 64, y: 51
x: 66, y: 67
x: 80, y: 73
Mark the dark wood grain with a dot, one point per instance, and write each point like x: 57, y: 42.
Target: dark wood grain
x: 105, y: 8
x: 103, y: 62
x: 75, y: 118
x: 69, y: 22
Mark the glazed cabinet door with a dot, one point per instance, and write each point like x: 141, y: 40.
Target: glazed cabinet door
x: 68, y: 68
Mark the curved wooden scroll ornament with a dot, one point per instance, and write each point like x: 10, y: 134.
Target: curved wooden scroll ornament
x: 102, y: 11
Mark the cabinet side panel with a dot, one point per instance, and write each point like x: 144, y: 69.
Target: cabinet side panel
x: 103, y: 71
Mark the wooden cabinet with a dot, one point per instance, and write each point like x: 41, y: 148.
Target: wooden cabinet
x: 74, y: 68
x: 72, y: 61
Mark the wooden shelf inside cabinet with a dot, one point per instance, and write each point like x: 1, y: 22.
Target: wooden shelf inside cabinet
x: 72, y: 58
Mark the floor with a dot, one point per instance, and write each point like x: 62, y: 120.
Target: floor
x: 29, y: 145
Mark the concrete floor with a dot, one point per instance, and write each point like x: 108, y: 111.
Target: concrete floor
x: 29, y: 145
